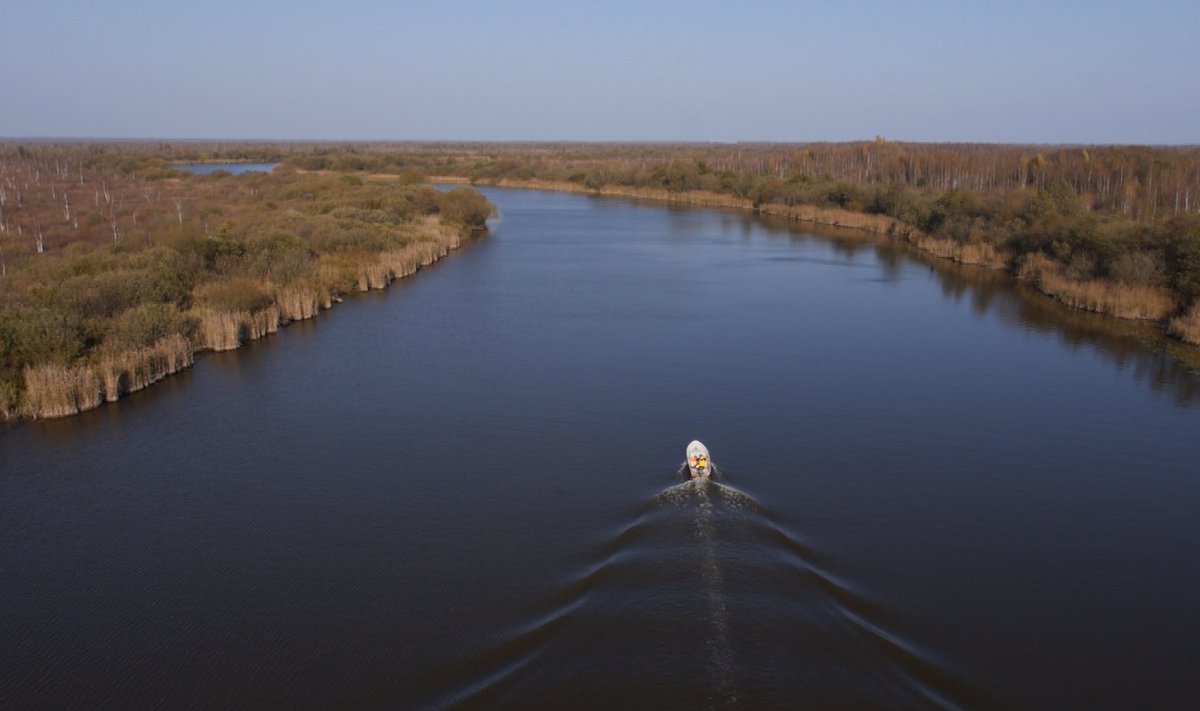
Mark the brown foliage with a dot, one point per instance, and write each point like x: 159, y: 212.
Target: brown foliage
x: 133, y: 370
x: 227, y: 330
x: 107, y: 258
x: 1187, y: 326
x: 1121, y: 300
x: 57, y: 391
x: 236, y: 294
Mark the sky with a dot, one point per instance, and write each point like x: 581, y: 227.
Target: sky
x: 1019, y: 71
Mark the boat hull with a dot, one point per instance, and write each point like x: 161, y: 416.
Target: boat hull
x: 698, y: 462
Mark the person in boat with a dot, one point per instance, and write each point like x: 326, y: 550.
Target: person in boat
x: 699, y: 462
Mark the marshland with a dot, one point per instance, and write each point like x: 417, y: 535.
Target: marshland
x: 97, y: 309
x: 116, y: 268
x: 349, y: 353
x: 1108, y: 229
x: 464, y: 490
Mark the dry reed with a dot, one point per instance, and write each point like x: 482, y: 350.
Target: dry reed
x: 373, y: 276
x: 1187, y: 327
x: 8, y: 407
x: 433, y: 241
x: 1120, y: 300
x: 58, y: 391
x: 298, y: 303
x: 133, y: 370
x: 979, y: 254
x: 227, y: 330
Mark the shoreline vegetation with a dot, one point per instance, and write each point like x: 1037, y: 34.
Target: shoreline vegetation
x: 1112, y: 298
x: 1113, y: 230
x: 115, y: 269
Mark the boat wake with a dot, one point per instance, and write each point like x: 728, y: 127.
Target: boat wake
x: 702, y: 599
x: 698, y: 496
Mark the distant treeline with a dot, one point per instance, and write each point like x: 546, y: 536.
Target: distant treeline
x: 115, y: 268
x: 1113, y: 229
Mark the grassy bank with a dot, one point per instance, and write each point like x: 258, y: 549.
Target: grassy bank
x: 115, y: 270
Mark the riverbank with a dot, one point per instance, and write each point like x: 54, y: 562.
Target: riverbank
x: 1142, y: 303
x: 53, y: 391
x: 115, y: 279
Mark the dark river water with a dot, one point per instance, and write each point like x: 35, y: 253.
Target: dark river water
x: 936, y: 490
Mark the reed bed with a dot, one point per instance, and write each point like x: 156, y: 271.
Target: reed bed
x: 9, y: 404
x: 373, y: 276
x: 94, y: 313
x: 1187, y: 326
x: 58, y: 391
x: 1121, y: 300
x: 432, y: 242
x: 979, y: 254
x: 879, y: 224
x: 136, y: 369
x: 298, y: 303
x: 227, y: 330
x: 219, y: 330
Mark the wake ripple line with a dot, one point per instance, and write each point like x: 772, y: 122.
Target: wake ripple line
x: 516, y: 653
x: 721, y: 650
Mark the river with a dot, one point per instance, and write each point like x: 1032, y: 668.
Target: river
x: 936, y: 490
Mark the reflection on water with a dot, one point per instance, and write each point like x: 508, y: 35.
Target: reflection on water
x: 1164, y: 364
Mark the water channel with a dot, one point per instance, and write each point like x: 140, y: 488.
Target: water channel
x: 936, y: 491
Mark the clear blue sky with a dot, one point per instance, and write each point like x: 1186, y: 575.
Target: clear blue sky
x: 931, y: 70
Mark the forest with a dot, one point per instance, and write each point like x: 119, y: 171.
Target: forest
x: 115, y: 267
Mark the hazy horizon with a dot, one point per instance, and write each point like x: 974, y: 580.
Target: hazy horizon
x: 651, y: 72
